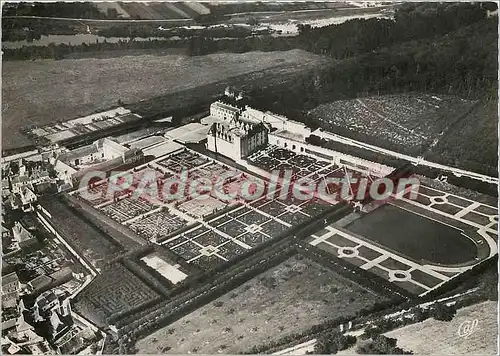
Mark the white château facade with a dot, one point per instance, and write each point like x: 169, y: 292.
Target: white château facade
x: 232, y: 134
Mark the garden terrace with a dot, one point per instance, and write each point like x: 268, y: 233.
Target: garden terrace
x: 185, y: 160
x: 199, y: 208
x: 84, y: 237
x: 127, y: 208
x: 205, y: 247
x: 113, y: 293
x: 272, y: 158
x: 157, y: 225
x: 218, y: 280
x: 422, y: 259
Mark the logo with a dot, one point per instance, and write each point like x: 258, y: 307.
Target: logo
x: 467, y: 328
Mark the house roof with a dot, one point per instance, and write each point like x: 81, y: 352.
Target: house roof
x: 20, y: 179
x: 8, y: 324
x: 22, y: 325
x: 14, y: 200
x: 40, y: 281
x: 61, y: 166
x: 78, y: 153
x: 10, y: 278
x: 20, y: 233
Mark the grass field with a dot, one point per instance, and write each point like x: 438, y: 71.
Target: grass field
x: 43, y: 91
x: 432, y: 337
x: 414, y: 236
x: 289, y: 298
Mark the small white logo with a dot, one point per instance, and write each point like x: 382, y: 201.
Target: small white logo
x: 467, y: 328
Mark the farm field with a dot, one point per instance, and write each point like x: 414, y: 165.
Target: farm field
x: 288, y: 298
x: 160, y: 11
x: 44, y: 91
x: 432, y: 337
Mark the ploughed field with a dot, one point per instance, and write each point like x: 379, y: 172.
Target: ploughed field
x: 289, y: 298
x: 44, y: 91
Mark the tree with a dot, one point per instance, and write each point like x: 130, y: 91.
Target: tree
x: 380, y: 345
x: 111, y: 13
x: 420, y: 314
x: 443, y: 312
x: 332, y: 342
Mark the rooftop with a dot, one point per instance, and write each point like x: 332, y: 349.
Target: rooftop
x: 190, y: 133
x: 10, y: 278
x: 290, y: 135
x: 40, y: 281
x: 78, y: 152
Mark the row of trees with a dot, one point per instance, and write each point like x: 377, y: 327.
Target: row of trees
x: 152, y: 30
